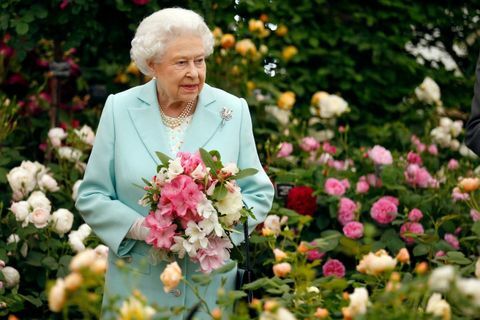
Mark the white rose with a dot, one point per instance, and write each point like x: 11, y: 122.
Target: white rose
x: 62, y: 221
x: 456, y: 128
x: 321, y: 135
x: 84, y: 231
x: 38, y: 200
x: 48, y: 183
x: 57, y: 296
x: 75, y: 187
x: 230, y: 168
x: 313, y: 289
x: 83, y: 259
x: 441, y: 278
x: 332, y: 106
x: 21, y: 181
x: 438, y: 307
x: 376, y: 263
x: 102, y: 251
x: 477, y: 268
x: 12, y: 277
x: 70, y: 154
x: 20, y: 210
x: 174, y: 168
x: 86, y: 134
x: 358, y: 302
x: 454, y: 144
x: 272, y: 222
x: 35, y: 168
x: 446, y: 123
x: 135, y: 309
x: 282, y: 116
x: 56, y: 135
x: 470, y: 288
x: 441, y: 136
x: 428, y: 91
x: 13, y: 238
x: 80, y: 166
x: 205, y: 208
x: 75, y: 241
x: 230, y: 206
x: 39, y: 217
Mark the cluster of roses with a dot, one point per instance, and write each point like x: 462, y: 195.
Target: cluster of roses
x: 192, y: 208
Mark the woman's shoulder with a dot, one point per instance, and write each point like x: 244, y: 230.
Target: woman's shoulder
x: 224, y: 97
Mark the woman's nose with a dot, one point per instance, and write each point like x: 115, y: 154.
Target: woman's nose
x: 192, y: 70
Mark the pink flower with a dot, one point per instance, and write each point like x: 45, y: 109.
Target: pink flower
x: 362, y: 186
x: 384, y: 211
x: 452, y: 240
x: 140, y: 2
x: 457, y: 195
x: 333, y: 267
x: 190, y: 161
x: 309, y: 144
x: 328, y: 148
x: 183, y: 194
x: 339, y: 165
x: 380, y: 155
x: 475, y: 215
x: 415, y: 215
x: 432, y: 149
x: 418, y: 176
x: 373, y: 180
x: 392, y: 199
x: 285, y: 150
x: 215, y: 255
x: 161, y: 237
x: 314, y: 254
x: 64, y: 4
x: 335, y: 187
x: 452, y: 164
x: 414, y: 158
x: 439, y: 253
x: 353, y: 230
x: 410, y: 227
x: 346, y: 211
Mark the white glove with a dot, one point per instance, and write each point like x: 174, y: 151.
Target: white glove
x: 138, y: 231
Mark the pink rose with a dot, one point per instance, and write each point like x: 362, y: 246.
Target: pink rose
x: 335, y: 187
x: 432, y: 149
x: 452, y: 164
x: 285, y: 150
x: 353, y: 230
x: 314, y: 254
x: 457, y: 195
x: 328, y: 148
x: 415, y: 215
x: 440, y: 253
x: 418, y: 176
x: 373, y: 180
x: 384, y: 211
x: 475, y: 215
x: 410, y: 227
x: 333, y: 267
x: 392, y: 199
x: 309, y: 144
x: 414, y: 158
x: 380, y: 155
x: 346, y: 210
x: 362, y: 187
x: 452, y: 240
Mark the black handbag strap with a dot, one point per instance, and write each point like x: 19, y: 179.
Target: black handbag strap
x: 248, y: 270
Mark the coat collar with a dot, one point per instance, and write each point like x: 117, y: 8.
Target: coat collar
x: 151, y: 130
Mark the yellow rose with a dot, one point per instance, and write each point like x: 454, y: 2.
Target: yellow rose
x: 403, y: 256
x: 245, y: 46
x: 133, y: 69
x: 256, y: 26
x: 73, y: 281
x: 227, y: 41
x: 289, y: 52
x: 171, y: 276
x: 317, y: 96
x: 217, y: 32
x: 469, y: 184
x: 286, y: 100
x: 281, y: 30
x: 321, y: 313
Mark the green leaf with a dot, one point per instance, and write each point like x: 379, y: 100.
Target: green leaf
x: 50, y: 263
x: 245, y: 173
x: 208, y: 160
x: 220, y: 192
x: 457, y: 257
x: 35, y: 301
x: 163, y: 158
x: 21, y: 28
x: 225, y: 268
x: 421, y: 250
x: 202, y: 279
x: 476, y: 228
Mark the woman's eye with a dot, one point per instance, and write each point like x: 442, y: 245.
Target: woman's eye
x: 181, y: 63
x: 199, y: 61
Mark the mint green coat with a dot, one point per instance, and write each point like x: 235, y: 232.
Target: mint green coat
x: 129, y: 133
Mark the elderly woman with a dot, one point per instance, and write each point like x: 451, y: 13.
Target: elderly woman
x: 175, y: 111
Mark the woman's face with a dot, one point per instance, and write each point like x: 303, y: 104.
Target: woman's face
x: 181, y: 71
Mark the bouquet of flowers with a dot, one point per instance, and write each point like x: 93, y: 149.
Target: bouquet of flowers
x: 194, y: 203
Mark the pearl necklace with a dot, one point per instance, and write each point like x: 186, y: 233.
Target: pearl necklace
x: 173, y: 122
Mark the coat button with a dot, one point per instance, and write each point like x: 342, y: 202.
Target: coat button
x: 176, y: 292
x: 128, y: 259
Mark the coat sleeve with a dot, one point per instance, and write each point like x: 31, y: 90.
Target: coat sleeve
x: 97, y: 200
x: 472, y: 136
x: 257, y: 190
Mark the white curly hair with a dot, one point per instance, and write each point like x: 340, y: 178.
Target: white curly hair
x: 156, y: 31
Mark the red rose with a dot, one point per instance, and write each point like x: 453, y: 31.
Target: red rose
x: 301, y: 200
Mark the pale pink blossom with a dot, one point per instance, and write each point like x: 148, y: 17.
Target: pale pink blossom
x: 190, y: 161
x: 362, y: 186
x: 373, y: 180
x: 475, y: 215
x: 309, y: 144
x: 440, y: 253
x: 380, y: 155
x: 282, y: 269
x: 432, y: 149
x: 333, y: 267
x: 215, y: 255
x: 410, y: 227
x: 457, y: 195
x: 452, y: 240
x: 328, y: 148
x: 415, y: 215
x: 453, y: 164
x: 183, y: 194
x: 384, y: 211
x: 353, y: 230
x: 314, y: 254
x: 417, y: 176
x: 39, y: 217
x: 414, y: 158
x: 335, y: 187
x: 285, y: 150
x: 392, y: 199
x: 346, y: 210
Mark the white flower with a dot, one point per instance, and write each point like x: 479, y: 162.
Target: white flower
x: 358, y: 302
x: 70, y: 154
x: 57, y: 296
x: 35, y: 168
x: 75, y: 241
x: 83, y: 259
x: 75, y: 187
x: 12, y: 277
x: 438, y: 306
x: 477, y: 268
x: 446, y: 123
x: 470, y: 288
x: 199, y: 173
x: 13, y: 238
x: 39, y: 217
x: 441, y: 278
x: 56, y: 135
x: 86, y: 134
x: 454, y: 145
x: 205, y: 208
x: 102, y: 251
x: 376, y: 263
x: 456, y: 128
x: 441, y: 136
x: 84, y: 230
x: 230, y: 207
x: 38, y: 200
x: 48, y: 183
x: 230, y: 169
x: 20, y: 210
x: 211, y: 224
x: 313, y: 289
x: 196, y: 235
x: 80, y: 166
x: 282, y: 116
x: 174, y: 168
x: 21, y: 181
x: 182, y: 246
x: 133, y: 308
x: 62, y: 221
x: 332, y: 106
x: 428, y: 91
x: 280, y: 314
x: 272, y: 222
x: 321, y: 135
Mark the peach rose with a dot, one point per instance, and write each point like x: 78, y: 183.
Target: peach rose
x: 469, y: 184
x: 279, y: 255
x: 282, y: 269
x: 171, y: 276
